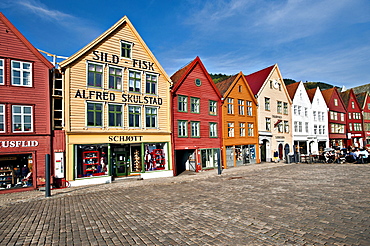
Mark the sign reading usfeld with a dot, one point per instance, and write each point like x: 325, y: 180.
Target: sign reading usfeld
x: 17, y: 144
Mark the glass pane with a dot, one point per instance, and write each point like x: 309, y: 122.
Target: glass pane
x: 99, y: 68
x: 26, y: 78
x: 90, y: 106
x: 90, y: 118
x: 16, y: 64
x: 17, y: 127
x: 17, y: 119
x: 27, y: 127
x: 118, y: 119
x: 111, y: 82
x: 90, y: 79
x: 16, y: 109
x: 26, y: 66
x: 111, y: 119
x: 1, y: 109
x: 111, y: 107
x: 91, y: 67
x: 119, y: 83
x: 119, y: 72
x: 98, y: 119
x: 98, y: 106
x: 27, y: 110
x: 1, y: 63
x: 27, y: 119
x: 98, y: 80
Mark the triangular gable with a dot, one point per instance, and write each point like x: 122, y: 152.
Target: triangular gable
x: 330, y: 94
x: 351, y: 94
x: 361, y: 99
x: 257, y: 79
x: 345, y: 97
x: 123, y: 21
x: 227, y: 85
x: 23, y: 39
x: 311, y: 93
x: 292, y: 89
x: 179, y: 78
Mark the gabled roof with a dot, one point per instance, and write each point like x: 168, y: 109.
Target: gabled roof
x: 292, y: 88
x: 311, y: 93
x: 257, y: 79
x: 328, y: 94
x: 179, y: 77
x: 224, y: 85
x: 361, y: 98
x: 345, y: 97
x: 123, y: 21
x: 23, y: 39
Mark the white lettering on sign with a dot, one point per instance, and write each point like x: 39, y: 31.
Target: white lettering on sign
x: 17, y: 144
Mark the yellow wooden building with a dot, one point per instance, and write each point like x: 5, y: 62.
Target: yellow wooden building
x: 239, y: 122
x: 116, y: 109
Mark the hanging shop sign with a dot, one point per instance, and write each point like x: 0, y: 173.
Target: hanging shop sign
x: 111, y: 58
x: 126, y: 98
x: 17, y: 144
x: 123, y: 138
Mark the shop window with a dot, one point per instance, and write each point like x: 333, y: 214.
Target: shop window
x: 151, y: 84
x: 134, y: 81
x: 250, y: 130
x: 91, y: 160
x: 155, y: 156
x: 230, y: 129
x: 182, y: 103
x: 241, y: 107
x: 182, y: 128
x: 2, y: 118
x: 22, y: 118
x: 115, y: 78
x: 249, y: 108
x: 195, y: 105
x: 126, y: 48
x: 151, y: 117
x: 209, y: 158
x: 242, y: 129
x: 195, y: 129
x: 95, y: 74
x: 21, y: 73
x: 115, y: 115
x: 213, y: 130
x: 1, y: 71
x: 94, y: 114
x: 212, y: 107
x: 15, y: 170
x: 134, y: 115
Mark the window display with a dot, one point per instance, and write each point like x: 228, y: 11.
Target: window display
x: 91, y: 160
x: 155, y: 158
x: 15, y: 171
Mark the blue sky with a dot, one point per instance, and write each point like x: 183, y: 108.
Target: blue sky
x: 310, y: 40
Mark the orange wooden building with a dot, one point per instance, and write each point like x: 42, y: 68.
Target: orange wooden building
x: 239, y: 122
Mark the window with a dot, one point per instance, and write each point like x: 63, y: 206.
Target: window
x: 368, y: 106
x: 249, y: 108
x: 212, y: 107
x: 250, y: 130
x: 230, y: 129
x: 242, y: 129
x: 353, y: 104
x: 195, y: 105
x: 280, y: 127
x: 21, y: 73
x: 357, y: 126
x: 286, y: 126
x: 126, y: 49
x: 320, y: 129
x: 115, y: 78
x: 195, y: 129
x: 299, y: 126
x: 295, y: 126
x: 350, y: 126
x: 134, y: 114
x: 267, y: 103
x: 295, y: 112
x: 182, y: 104
x: 230, y: 106
x: 115, y: 115
x: 240, y: 88
x: 335, y: 102
x: 241, y: 106
x: 336, y: 128
x: 22, y: 118
x: 299, y: 110
x: 315, y: 129
x: 134, y: 81
x: 95, y: 74
x: 213, y: 130
x: 182, y: 128
x: 2, y: 118
x: 268, y: 124
x: 306, y: 127
x: 305, y: 112
x: 151, y: 117
x: 151, y: 84
x: 349, y: 116
x: 285, y: 108
x: 279, y: 107
x: 314, y: 116
x: 94, y: 114
x: 1, y: 71
x: 342, y: 116
x: 323, y: 129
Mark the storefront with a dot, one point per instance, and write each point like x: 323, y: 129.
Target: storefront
x: 239, y: 155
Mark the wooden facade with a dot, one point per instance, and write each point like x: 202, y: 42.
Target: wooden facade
x: 337, y: 116
x: 196, y: 118
x: 116, y: 103
x: 25, y: 132
x: 239, y: 122
x: 364, y: 102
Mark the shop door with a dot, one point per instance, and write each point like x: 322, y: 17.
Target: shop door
x: 122, y: 164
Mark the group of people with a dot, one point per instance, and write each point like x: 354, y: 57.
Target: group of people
x: 358, y: 155
x: 351, y: 155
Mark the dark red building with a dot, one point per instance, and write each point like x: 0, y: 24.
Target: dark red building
x: 196, y: 119
x: 25, y: 126
x: 337, y: 118
x: 364, y: 102
x: 355, y: 133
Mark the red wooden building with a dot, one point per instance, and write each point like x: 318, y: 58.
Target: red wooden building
x: 196, y: 119
x: 355, y: 133
x: 25, y: 129
x: 364, y: 102
x: 336, y: 117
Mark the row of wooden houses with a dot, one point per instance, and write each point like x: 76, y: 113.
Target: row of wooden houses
x: 110, y: 110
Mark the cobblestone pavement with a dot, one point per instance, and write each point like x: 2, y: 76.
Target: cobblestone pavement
x: 260, y: 204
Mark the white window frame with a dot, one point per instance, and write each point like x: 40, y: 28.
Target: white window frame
x: 230, y: 105
x: 23, y: 115
x: 242, y: 129
x: 230, y: 129
x: 182, y: 131
x: 241, y: 107
x: 2, y: 72
x: 21, y: 70
x: 195, y: 129
x: 2, y: 113
x: 213, y: 130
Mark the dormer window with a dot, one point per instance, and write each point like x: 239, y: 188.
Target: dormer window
x: 126, y: 48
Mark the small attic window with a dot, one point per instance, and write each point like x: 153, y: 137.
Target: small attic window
x: 126, y: 49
